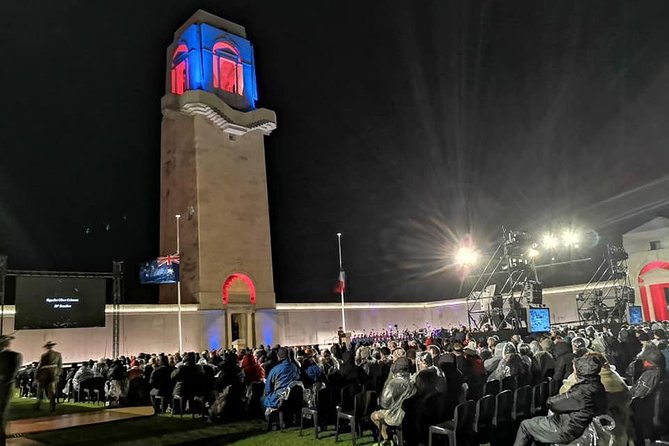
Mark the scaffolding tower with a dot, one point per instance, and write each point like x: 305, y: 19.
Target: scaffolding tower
x: 608, y: 293
x: 507, y: 285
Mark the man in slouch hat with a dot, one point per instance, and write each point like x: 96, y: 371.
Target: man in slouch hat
x: 47, y: 375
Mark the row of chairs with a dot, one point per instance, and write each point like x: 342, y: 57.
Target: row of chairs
x: 475, y: 422
x: 495, y: 409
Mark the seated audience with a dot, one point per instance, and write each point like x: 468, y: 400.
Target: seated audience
x: 572, y: 411
x: 398, y: 389
x: 284, y: 373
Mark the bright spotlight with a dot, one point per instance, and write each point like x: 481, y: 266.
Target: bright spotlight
x: 570, y: 238
x: 549, y: 241
x: 466, y: 256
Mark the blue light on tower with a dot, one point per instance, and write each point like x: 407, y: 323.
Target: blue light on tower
x: 210, y: 59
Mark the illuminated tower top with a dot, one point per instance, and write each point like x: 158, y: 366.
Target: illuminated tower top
x: 212, y: 54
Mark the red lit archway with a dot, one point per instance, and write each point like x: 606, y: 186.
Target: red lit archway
x: 228, y: 69
x: 244, y: 278
x: 179, y: 70
x: 657, y: 301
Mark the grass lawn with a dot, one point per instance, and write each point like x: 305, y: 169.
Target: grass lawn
x: 167, y: 430
x: 22, y: 408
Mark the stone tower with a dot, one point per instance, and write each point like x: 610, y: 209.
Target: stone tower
x: 213, y: 175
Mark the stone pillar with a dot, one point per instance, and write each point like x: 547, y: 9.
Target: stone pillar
x: 228, y: 329
x: 250, y: 329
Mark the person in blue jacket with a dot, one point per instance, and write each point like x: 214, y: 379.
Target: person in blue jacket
x: 281, y: 375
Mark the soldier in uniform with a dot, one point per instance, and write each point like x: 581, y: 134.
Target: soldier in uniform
x: 48, y: 374
x: 10, y: 362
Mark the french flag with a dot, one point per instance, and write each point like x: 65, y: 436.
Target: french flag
x: 341, y: 283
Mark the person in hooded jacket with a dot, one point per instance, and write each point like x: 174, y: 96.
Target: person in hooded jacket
x: 644, y: 390
x: 572, y: 411
x: 395, y: 392
x: 491, y: 364
x: 617, y: 395
x: 510, y: 365
x: 543, y: 363
x: 563, y: 359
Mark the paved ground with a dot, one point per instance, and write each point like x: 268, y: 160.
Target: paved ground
x: 18, y: 428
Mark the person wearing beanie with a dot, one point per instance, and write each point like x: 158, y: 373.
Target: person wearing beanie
x: 398, y: 389
x: 281, y: 375
x: 572, y: 411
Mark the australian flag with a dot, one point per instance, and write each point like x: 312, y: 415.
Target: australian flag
x: 162, y: 270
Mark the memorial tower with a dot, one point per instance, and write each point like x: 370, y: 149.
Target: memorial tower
x: 213, y: 175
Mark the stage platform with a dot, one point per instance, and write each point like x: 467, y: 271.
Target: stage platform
x: 18, y: 428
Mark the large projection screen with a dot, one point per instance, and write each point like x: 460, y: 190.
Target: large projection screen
x: 56, y: 302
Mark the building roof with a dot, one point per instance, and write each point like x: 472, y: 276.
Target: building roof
x: 651, y: 225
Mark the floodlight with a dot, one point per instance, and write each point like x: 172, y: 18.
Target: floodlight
x: 532, y: 253
x: 466, y: 256
x: 570, y: 238
x: 549, y: 241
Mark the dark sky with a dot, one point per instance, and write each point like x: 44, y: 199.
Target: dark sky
x: 404, y: 125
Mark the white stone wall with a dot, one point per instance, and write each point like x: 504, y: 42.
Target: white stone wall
x: 153, y: 328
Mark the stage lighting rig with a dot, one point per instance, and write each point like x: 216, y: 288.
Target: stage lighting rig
x: 616, y: 253
x: 510, y: 268
x: 533, y: 292
x: 608, y: 293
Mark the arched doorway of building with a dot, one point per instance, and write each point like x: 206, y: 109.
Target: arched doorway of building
x: 654, y: 289
x: 239, y: 299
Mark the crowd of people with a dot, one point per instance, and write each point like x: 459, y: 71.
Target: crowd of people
x: 590, y: 372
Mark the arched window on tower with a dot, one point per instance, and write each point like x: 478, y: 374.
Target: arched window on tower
x: 179, y: 69
x: 228, y: 68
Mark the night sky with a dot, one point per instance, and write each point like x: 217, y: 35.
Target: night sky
x: 404, y: 125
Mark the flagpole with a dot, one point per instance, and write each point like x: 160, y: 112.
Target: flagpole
x: 181, y: 347
x: 341, y: 288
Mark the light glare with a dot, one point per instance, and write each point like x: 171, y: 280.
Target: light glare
x: 549, y: 241
x: 570, y: 238
x: 466, y: 256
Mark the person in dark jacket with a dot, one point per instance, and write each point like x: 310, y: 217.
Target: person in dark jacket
x: 161, y: 381
x: 644, y: 389
x: 563, y: 359
x: 351, y: 373
x: 229, y: 373
x: 572, y: 411
x: 630, y: 347
x: 10, y: 361
x: 187, y: 378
